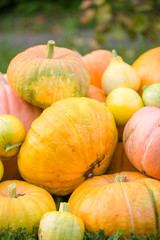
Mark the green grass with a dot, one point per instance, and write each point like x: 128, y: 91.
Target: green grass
x: 21, y: 234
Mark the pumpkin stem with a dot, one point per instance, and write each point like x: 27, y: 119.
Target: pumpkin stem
x: 9, y: 146
x: 89, y: 173
x: 114, y: 53
x: 120, y: 178
x: 50, y: 49
x: 64, y: 207
x: 144, y: 87
x: 12, y: 190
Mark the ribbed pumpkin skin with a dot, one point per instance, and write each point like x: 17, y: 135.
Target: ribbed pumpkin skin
x: 27, y: 209
x: 103, y: 204
x: 141, y: 139
x: 42, y: 81
x: 120, y: 161
x: 64, y: 141
x: 147, y: 65
x: 96, y: 62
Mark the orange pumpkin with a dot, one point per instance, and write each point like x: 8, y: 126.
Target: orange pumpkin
x: 120, y: 161
x: 147, y: 65
x: 141, y: 138
x: 23, y: 205
x: 96, y: 93
x: 128, y: 201
x: 44, y: 74
x: 96, y: 62
x: 12, y: 104
x: 72, y: 140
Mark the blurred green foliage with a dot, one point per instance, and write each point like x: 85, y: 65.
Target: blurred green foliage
x: 129, y: 26
x: 120, y: 17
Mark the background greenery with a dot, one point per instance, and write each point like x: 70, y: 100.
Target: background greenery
x: 131, y: 27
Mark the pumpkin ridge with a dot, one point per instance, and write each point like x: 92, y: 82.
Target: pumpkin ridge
x: 151, y: 194
x: 125, y: 140
x: 57, y: 78
x: 129, y: 208
x: 70, y: 119
x: 146, y: 146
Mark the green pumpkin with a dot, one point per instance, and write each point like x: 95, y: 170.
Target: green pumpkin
x: 60, y: 225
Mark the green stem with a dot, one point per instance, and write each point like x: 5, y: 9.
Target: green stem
x: 12, y: 190
x: 120, y: 178
x: 50, y: 49
x: 64, y: 207
x: 114, y: 53
x: 144, y: 87
x: 9, y: 146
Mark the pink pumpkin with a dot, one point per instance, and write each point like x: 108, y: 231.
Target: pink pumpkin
x: 141, y: 139
x: 12, y: 104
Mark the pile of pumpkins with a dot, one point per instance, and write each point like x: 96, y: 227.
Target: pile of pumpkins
x: 60, y: 137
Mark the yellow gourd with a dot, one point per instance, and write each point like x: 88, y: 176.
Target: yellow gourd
x: 119, y: 74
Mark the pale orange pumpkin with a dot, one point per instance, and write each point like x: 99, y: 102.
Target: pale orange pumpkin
x: 147, y: 66
x: 23, y: 205
x: 128, y: 201
x: 72, y: 140
x: 141, y: 138
x: 96, y: 93
x: 12, y: 104
x: 96, y: 63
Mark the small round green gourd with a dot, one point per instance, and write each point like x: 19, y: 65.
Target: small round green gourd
x: 61, y: 225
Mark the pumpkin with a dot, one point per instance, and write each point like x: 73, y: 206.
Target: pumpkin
x: 96, y: 93
x: 72, y: 140
x: 147, y: 66
x: 44, y: 74
x: 141, y: 138
x: 119, y: 75
x: 127, y: 201
x: 23, y: 204
x: 60, y: 225
x: 96, y: 62
x: 12, y: 104
x: 120, y: 161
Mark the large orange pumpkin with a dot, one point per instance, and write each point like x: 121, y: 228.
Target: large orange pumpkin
x: 12, y: 104
x: 106, y: 202
x: 141, y: 138
x: 147, y: 65
x: 120, y: 161
x: 96, y: 93
x: 96, y: 62
x: 23, y: 205
x: 72, y: 140
x: 44, y: 74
